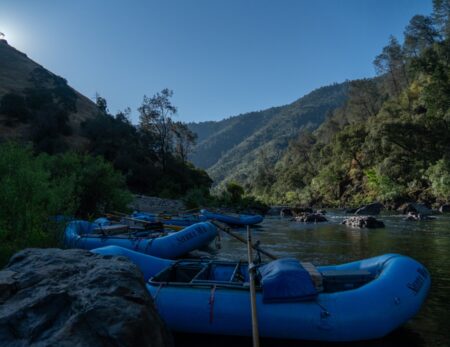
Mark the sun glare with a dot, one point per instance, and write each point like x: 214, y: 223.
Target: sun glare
x: 12, y: 35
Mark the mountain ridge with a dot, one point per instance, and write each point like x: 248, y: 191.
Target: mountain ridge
x: 230, y: 149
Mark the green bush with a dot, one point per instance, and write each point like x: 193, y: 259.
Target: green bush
x: 36, y: 189
x: 385, y: 189
x: 235, y: 191
x: 27, y: 200
x: 91, y: 184
x: 197, y: 197
x: 439, y: 177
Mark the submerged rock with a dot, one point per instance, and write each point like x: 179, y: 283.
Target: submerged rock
x: 310, y: 218
x: 416, y: 217
x: 363, y: 222
x: 54, y: 297
x: 372, y: 209
x: 414, y: 208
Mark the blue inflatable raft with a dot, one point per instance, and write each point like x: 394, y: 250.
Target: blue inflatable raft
x: 360, y: 300
x: 183, y: 220
x: 86, y: 235
x: 242, y: 219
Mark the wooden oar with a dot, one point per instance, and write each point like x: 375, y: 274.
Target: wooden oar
x: 251, y: 273
x: 227, y: 229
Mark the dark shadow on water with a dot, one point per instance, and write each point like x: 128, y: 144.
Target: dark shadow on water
x: 400, y: 337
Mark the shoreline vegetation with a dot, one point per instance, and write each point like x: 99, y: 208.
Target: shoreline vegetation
x: 390, y: 142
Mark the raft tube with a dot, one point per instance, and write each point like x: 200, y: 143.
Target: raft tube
x: 242, y: 219
x: 221, y: 305
x: 183, y: 221
x: 81, y: 234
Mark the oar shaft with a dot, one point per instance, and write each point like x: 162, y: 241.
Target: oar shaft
x: 240, y: 238
x: 251, y: 272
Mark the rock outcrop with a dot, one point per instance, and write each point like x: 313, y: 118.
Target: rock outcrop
x: 54, y: 297
x: 286, y: 212
x: 363, y: 222
x: 371, y: 209
x: 310, y: 218
x: 414, y: 208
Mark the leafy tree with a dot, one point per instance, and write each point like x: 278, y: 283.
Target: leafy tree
x: 155, y: 121
x: 441, y: 16
x: 391, y: 61
x: 185, y: 140
x: 365, y: 99
x: 420, y: 34
x: 101, y: 103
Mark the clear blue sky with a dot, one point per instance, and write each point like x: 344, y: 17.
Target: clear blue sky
x: 221, y: 57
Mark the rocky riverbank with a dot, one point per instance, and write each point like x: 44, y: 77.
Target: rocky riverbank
x: 54, y: 297
x: 154, y: 204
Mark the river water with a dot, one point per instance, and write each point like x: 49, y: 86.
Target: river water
x: 333, y: 243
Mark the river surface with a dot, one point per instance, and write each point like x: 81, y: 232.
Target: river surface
x: 333, y: 243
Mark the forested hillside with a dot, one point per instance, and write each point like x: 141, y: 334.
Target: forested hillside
x: 391, y: 139
x: 232, y: 148
x: 39, y: 109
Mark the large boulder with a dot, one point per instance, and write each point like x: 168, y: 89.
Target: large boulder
x: 370, y: 209
x: 414, y: 208
x: 444, y: 208
x: 363, y: 222
x: 54, y: 297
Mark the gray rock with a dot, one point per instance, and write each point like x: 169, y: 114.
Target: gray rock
x: 300, y: 210
x: 415, y: 208
x: 54, y: 297
x: 363, y: 222
x: 286, y: 212
x: 371, y: 209
x: 310, y: 218
x: 444, y: 208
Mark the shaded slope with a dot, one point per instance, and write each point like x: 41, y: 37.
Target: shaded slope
x: 233, y: 148
x: 18, y: 74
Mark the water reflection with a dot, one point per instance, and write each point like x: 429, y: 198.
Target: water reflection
x: 331, y: 243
